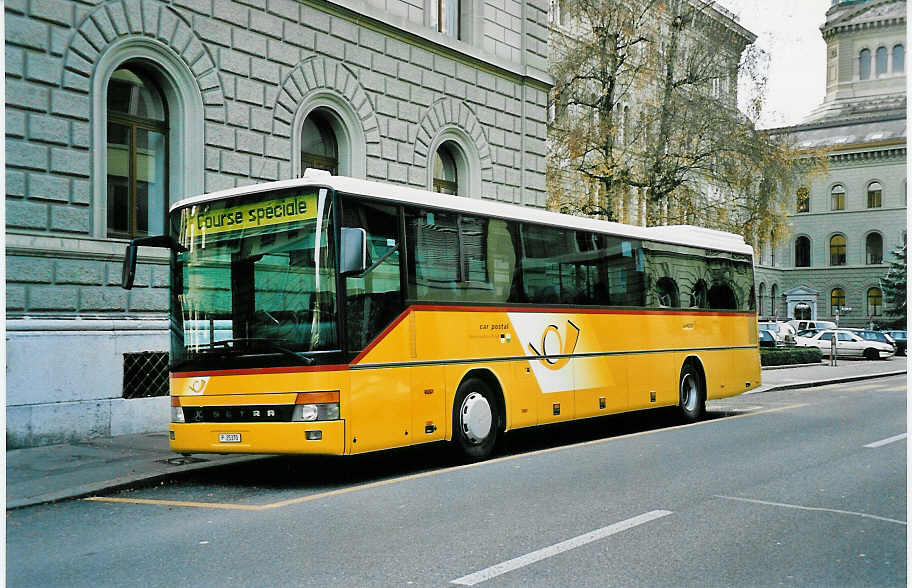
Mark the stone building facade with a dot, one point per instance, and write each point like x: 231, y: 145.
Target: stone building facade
x: 116, y: 108
x: 844, y: 224
x: 711, y: 37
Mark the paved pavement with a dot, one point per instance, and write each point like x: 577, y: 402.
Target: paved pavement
x: 57, y: 472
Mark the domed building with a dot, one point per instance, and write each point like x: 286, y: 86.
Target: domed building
x: 845, y: 223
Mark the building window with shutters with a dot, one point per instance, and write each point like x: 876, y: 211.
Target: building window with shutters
x: 875, y: 195
x: 446, y: 179
x: 838, y: 250
x: 837, y: 197
x: 864, y: 64
x: 875, y: 302
x: 837, y: 300
x: 803, y: 198
x: 880, y: 61
x: 447, y: 15
x: 802, y: 252
x: 319, y: 148
x: 137, y: 154
x: 874, y: 249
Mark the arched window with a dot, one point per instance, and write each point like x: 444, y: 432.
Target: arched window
x: 761, y: 293
x: 698, y: 296
x: 137, y: 153
x: 880, y: 60
x: 864, y: 64
x: 772, y: 246
x: 802, y: 252
x: 837, y: 300
x: 667, y: 291
x: 774, y: 295
x: 875, y: 302
x: 837, y: 197
x: 875, y: 195
x: 803, y: 198
x: 874, y: 248
x: 446, y: 178
x: 838, y: 250
x: 899, y: 59
x: 319, y: 148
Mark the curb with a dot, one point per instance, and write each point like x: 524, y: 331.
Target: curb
x: 123, y: 482
x: 816, y: 383
x: 790, y: 365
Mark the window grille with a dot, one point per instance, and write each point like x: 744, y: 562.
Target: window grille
x: 145, y: 374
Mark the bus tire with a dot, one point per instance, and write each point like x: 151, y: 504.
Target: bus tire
x: 475, y: 419
x: 691, y: 393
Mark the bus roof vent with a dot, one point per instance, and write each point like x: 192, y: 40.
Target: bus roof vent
x: 316, y: 173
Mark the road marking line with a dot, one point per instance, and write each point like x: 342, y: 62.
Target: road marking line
x: 886, y: 441
x: 814, y: 508
x: 222, y: 505
x: 557, y: 548
x: 377, y: 484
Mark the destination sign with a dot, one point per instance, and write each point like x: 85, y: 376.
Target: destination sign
x: 250, y: 216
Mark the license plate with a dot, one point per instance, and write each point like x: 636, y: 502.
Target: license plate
x: 229, y: 437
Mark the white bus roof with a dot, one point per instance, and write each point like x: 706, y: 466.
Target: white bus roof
x: 677, y: 234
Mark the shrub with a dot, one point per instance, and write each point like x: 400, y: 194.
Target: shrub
x: 790, y: 356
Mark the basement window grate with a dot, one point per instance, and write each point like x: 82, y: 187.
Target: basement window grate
x: 145, y: 374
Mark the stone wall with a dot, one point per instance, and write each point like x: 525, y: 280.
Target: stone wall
x: 242, y: 72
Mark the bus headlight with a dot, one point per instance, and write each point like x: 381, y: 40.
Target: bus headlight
x: 316, y: 406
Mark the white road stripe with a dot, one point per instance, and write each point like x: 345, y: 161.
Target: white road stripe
x: 886, y: 441
x: 546, y: 552
x: 814, y: 508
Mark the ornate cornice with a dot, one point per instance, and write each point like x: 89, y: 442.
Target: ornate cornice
x: 880, y: 154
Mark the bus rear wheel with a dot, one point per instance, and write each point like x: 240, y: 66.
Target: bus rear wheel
x: 475, y: 419
x: 692, y: 394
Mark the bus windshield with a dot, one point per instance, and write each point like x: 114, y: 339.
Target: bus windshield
x: 254, y: 276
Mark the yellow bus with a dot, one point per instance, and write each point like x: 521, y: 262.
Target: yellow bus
x: 338, y: 316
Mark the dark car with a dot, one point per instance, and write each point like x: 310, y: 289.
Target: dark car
x: 899, y: 337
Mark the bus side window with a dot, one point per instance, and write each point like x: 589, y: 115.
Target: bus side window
x: 374, y: 299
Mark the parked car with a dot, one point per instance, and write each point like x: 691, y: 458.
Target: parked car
x: 807, y: 333
x: 784, y: 331
x: 875, y: 336
x: 801, y: 325
x: 899, y: 337
x: 769, y: 339
x: 848, y: 344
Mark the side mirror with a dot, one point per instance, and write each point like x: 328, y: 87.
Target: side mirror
x: 354, y: 251
x: 129, y: 264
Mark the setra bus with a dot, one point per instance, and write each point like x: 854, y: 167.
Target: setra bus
x: 334, y: 315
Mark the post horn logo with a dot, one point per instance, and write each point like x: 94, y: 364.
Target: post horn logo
x: 555, y: 353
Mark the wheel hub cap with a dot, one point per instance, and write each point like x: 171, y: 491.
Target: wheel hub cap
x: 475, y: 417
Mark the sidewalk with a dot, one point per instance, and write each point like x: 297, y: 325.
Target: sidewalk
x: 58, y: 472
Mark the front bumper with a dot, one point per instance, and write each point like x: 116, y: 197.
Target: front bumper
x: 260, y: 437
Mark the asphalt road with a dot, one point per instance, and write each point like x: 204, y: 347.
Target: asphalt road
x: 800, y: 487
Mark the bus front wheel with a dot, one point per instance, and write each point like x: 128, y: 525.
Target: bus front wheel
x: 475, y: 419
x: 692, y: 395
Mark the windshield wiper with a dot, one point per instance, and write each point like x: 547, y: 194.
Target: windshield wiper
x: 267, y: 342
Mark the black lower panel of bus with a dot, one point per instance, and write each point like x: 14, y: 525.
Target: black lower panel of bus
x: 280, y: 413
